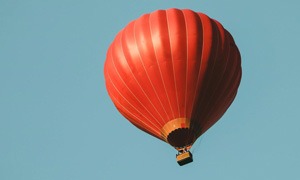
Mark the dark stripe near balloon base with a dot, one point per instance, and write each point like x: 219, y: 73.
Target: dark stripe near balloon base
x: 180, y: 138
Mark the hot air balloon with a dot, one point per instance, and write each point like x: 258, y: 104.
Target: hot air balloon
x: 173, y: 73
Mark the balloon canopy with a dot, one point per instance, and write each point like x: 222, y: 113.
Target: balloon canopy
x: 173, y: 73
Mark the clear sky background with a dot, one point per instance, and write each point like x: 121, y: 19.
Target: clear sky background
x: 58, y: 123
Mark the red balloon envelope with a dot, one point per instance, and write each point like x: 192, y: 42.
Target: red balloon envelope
x: 173, y: 74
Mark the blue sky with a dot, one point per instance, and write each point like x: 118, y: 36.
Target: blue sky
x: 57, y: 121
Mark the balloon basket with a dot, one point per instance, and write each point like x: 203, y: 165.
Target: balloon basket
x: 184, y: 158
